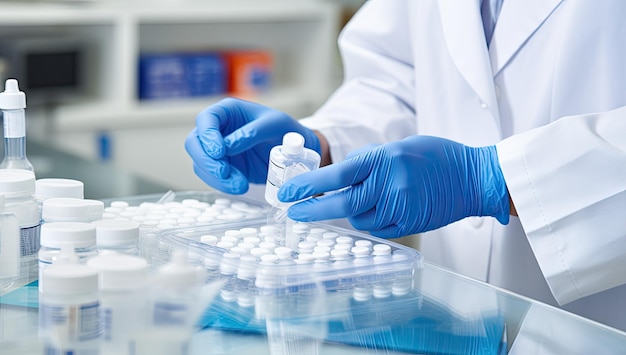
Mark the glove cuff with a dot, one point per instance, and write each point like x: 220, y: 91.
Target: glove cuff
x: 495, y: 199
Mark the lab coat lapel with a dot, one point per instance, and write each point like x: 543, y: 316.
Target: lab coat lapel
x: 465, y: 39
x: 518, y: 20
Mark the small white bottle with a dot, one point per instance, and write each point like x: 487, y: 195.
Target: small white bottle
x: 123, y: 299
x: 117, y: 236
x: 9, y: 248
x: 53, y: 188
x: 286, y: 161
x: 12, y: 104
x: 175, y: 297
x: 54, y: 236
x: 18, y: 188
x: 67, y: 209
x: 69, y: 307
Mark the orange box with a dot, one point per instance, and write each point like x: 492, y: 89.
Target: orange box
x: 249, y: 71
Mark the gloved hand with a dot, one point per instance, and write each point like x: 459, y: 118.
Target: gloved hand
x: 231, y: 143
x: 414, y: 185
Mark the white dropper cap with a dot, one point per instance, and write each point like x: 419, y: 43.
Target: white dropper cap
x: 52, y: 188
x: 12, y: 98
x: 293, y: 143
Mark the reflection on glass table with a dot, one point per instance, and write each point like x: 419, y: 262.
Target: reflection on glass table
x: 457, y: 305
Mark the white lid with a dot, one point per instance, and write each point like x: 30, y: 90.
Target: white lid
x: 69, y: 279
x: 51, y: 188
x: 16, y: 182
x: 120, y: 271
x: 116, y: 232
x: 12, y: 98
x: 178, y: 273
x: 293, y: 143
x: 71, y: 209
x: 78, y: 234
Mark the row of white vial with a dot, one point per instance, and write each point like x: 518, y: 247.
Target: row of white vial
x: 113, y: 305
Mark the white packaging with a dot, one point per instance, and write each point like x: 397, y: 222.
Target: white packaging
x: 54, y: 188
x: 69, y: 309
x: 123, y: 299
x: 9, y: 248
x: 18, y: 188
x: 118, y: 236
x: 67, y: 209
x: 54, y: 236
x: 286, y: 161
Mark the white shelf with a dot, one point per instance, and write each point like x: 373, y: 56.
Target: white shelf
x: 148, y: 136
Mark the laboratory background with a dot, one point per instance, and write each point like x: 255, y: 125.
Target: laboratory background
x: 112, y: 89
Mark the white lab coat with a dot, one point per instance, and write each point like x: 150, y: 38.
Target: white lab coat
x: 423, y: 67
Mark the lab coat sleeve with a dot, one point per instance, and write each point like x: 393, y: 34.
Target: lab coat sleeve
x: 375, y: 102
x: 568, y: 183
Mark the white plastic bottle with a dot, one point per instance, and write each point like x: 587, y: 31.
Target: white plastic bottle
x: 69, y: 308
x: 67, y: 209
x: 175, y: 297
x: 286, y: 161
x: 18, y: 188
x: 54, y: 236
x: 117, y: 236
x: 123, y: 299
x: 9, y: 248
x: 53, y: 188
x: 12, y: 104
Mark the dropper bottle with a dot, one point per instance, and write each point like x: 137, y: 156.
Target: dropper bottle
x: 12, y: 104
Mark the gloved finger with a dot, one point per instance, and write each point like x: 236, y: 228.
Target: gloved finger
x: 329, y: 178
x: 345, y: 203
x: 208, y: 123
x: 364, y: 149
x: 235, y: 184
x: 270, y: 125
x: 219, y: 168
x: 367, y: 222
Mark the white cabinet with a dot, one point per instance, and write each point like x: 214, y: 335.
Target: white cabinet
x: 147, y: 136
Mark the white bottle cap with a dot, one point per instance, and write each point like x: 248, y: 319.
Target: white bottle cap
x: 12, y: 98
x: 293, y: 143
x: 16, y: 183
x: 52, y: 188
x: 178, y: 273
x: 69, y: 279
x: 119, y: 271
x: 71, y: 209
x: 116, y: 232
x: 78, y: 234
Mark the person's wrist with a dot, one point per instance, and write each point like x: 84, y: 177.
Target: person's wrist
x: 324, y: 149
x: 495, y: 196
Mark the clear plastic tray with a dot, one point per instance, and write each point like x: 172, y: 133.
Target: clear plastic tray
x: 291, y: 292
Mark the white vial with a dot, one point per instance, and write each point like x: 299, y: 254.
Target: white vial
x: 67, y: 209
x: 69, y: 309
x: 53, y: 188
x: 80, y: 236
x: 176, y: 288
x: 123, y: 299
x: 9, y: 248
x: 12, y: 104
x: 18, y: 188
x: 118, y: 236
x: 286, y: 161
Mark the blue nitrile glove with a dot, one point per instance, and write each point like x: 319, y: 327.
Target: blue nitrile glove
x: 232, y: 140
x: 414, y: 185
